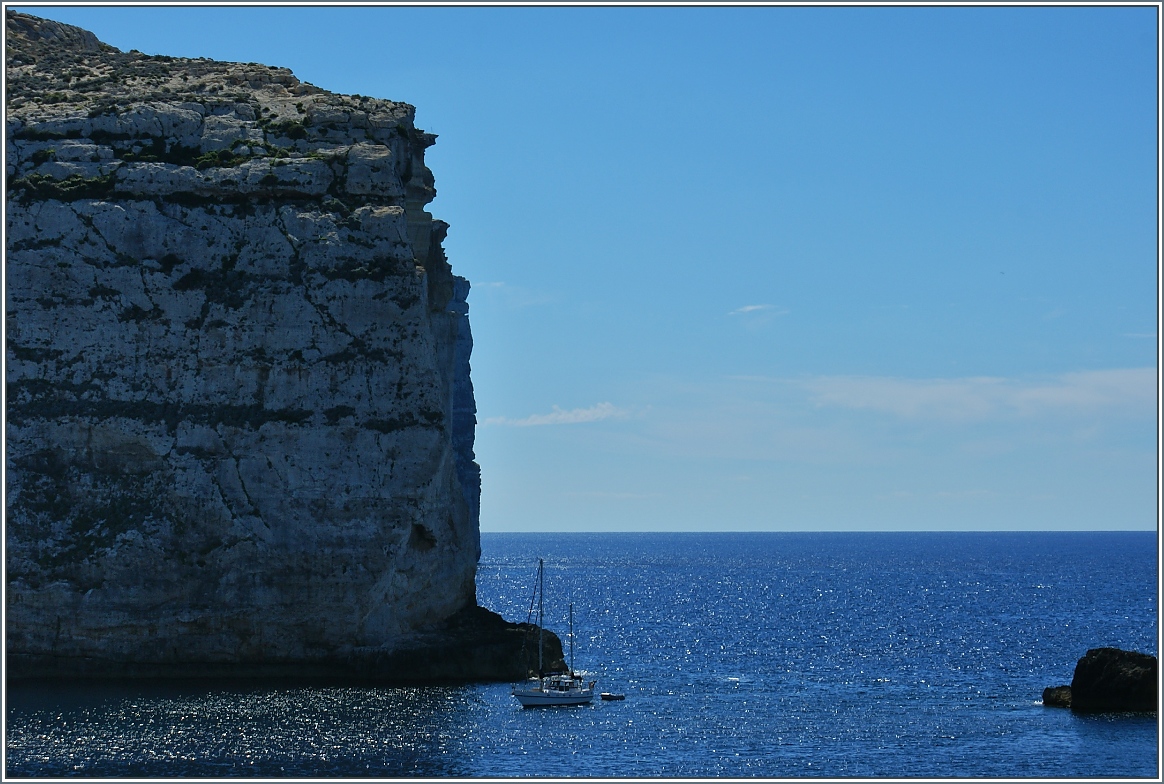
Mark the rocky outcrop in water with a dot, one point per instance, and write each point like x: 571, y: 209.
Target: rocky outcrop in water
x: 240, y: 418
x: 1057, y: 696
x: 1108, y: 680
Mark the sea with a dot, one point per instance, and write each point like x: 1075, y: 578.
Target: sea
x: 774, y: 655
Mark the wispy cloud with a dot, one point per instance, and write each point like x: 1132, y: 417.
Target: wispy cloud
x: 513, y: 297
x: 560, y: 417
x: 756, y: 317
x: 612, y: 495
x: 960, y: 496
x: 1133, y: 390
x: 758, y: 309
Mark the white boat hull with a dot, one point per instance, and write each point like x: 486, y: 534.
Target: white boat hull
x: 554, y: 690
x: 536, y: 698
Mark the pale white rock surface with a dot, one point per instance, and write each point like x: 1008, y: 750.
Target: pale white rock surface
x: 240, y: 419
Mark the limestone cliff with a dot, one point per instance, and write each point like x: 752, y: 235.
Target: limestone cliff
x: 240, y: 420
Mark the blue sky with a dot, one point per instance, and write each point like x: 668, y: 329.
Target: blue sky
x: 775, y: 268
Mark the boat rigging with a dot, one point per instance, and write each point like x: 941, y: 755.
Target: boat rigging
x: 556, y: 688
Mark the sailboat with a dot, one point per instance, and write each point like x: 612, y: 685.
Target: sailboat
x: 557, y: 688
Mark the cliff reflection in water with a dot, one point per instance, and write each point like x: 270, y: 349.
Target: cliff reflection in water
x: 151, y: 730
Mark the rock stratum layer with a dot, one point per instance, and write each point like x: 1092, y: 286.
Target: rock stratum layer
x: 240, y: 419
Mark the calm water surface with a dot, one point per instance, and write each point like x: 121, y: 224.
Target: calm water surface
x: 778, y: 655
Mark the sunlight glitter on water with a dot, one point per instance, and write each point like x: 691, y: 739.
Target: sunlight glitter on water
x: 825, y: 656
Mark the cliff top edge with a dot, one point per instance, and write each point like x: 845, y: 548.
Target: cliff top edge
x: 57, y: 70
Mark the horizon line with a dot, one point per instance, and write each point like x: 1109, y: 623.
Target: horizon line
x: 862, y: 531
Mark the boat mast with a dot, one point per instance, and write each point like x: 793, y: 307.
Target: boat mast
x: 571, y: 640
x: 541, y: 613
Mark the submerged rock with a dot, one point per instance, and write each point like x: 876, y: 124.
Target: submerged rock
x: 239, y: 414
x: 1057, y: 697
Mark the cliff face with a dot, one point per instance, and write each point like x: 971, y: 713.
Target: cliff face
x: 240, y: 420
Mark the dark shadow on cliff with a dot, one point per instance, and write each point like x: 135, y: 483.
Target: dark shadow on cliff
x: 474, y: 645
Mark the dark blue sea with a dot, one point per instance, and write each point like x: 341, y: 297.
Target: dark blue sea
x: 772, y: 655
